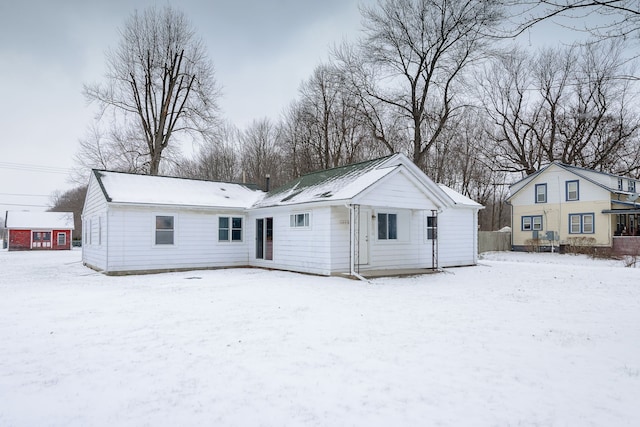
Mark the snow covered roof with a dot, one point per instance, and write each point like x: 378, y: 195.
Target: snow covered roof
x: 603, y: 180
x: 39, y: 220
x: 458, y: 198
x: 119, y: 187
x: 341, y: 183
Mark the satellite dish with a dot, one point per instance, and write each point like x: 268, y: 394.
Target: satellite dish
x: 633, y: 197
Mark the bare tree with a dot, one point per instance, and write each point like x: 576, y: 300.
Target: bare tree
x: 563, y: 104
x: 217, y: 160
x: 407, y: 65
x: 71, y: 201
x: 620, y: 18
x: 261, y: 155
x: 160, y: 83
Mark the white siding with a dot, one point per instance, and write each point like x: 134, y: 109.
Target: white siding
x: 305, y: 249
x: 94, y: 244
x: 410, y: 250
x: 457, y: 237
x: 340, y: 240
x: 196, y: 245
x: 397, y: 191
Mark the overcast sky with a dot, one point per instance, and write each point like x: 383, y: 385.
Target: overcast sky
x: 261, y: 49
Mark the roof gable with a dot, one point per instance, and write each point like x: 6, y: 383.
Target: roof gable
x: 586, y: 174
x: 39, y: 220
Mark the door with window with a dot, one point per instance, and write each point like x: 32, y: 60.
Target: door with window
x: 41, y: 239
x: 264, y: 238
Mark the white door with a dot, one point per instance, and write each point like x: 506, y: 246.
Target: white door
x: 363, y: 236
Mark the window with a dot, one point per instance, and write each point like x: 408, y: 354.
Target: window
x: 299, y: 220
x: 530, y: 223
x: 581, y: 224
x: 387, y: 226
x: 541, y: 193
x: 432, y: 228
x: 632, y: 185
x: 62, y: 239
x: 572, y: 190
x: 164, y: 230
x: 230, y: 227
x: 619, y: 183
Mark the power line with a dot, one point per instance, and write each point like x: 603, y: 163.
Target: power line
x: 20, y: 204
x: 24, y: 195
x: 34, y: 168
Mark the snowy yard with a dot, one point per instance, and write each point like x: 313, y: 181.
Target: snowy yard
x: 520, y: 340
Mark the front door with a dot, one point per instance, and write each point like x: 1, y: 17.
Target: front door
x: 264, y: 238
x: 364, y: 227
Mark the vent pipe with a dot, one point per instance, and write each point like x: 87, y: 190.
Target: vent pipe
x: 268, y: 178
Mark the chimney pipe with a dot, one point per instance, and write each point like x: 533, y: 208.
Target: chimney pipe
x: 268, y: 178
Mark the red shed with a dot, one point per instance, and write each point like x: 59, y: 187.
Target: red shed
x: 39, y: 230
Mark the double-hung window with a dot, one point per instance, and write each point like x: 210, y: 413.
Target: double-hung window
x: 387, y: 226
x: 632, y: 185
x: 573, y: 190
x: 532, y: 223
x: 581, y: 223
x: 229, y: 229
x: 164, y: 230
x: 299, y: 220
x: 541, y: 193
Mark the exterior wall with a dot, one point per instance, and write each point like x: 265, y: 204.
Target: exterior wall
x: 340, y: 240
x: 398, y: 191
x: 410, y: 250
x: 95, y: 228
x: 302, y: 249
x: 556, y: 210
x: 67, y: 240
x: 132, y: 245
x: 457, y: 237
x: 19, y: 240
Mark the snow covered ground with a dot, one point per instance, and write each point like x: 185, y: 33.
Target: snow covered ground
x: 520, y: 340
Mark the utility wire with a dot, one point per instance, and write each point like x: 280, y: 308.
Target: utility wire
x: 34, y: 168
x: 19, y: 204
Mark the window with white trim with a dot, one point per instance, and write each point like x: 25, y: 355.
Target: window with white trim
x: 230, y: 229
x: 387, y: 226
x: 299, y: 220
x: 573, y: 190
x: 620, y: 184
x: 532, y: 223
x: 164, y: 230
x: 632, y: 185
x: 432, y: 228
x: 62, y: 239
x: 582, y: 223
x: 541, y: 193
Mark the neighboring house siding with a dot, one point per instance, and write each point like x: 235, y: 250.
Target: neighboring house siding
x: 456, y: 245
x: 195, y: 236
x: 556, y: 211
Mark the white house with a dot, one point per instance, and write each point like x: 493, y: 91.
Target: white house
x: 383, y: 214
